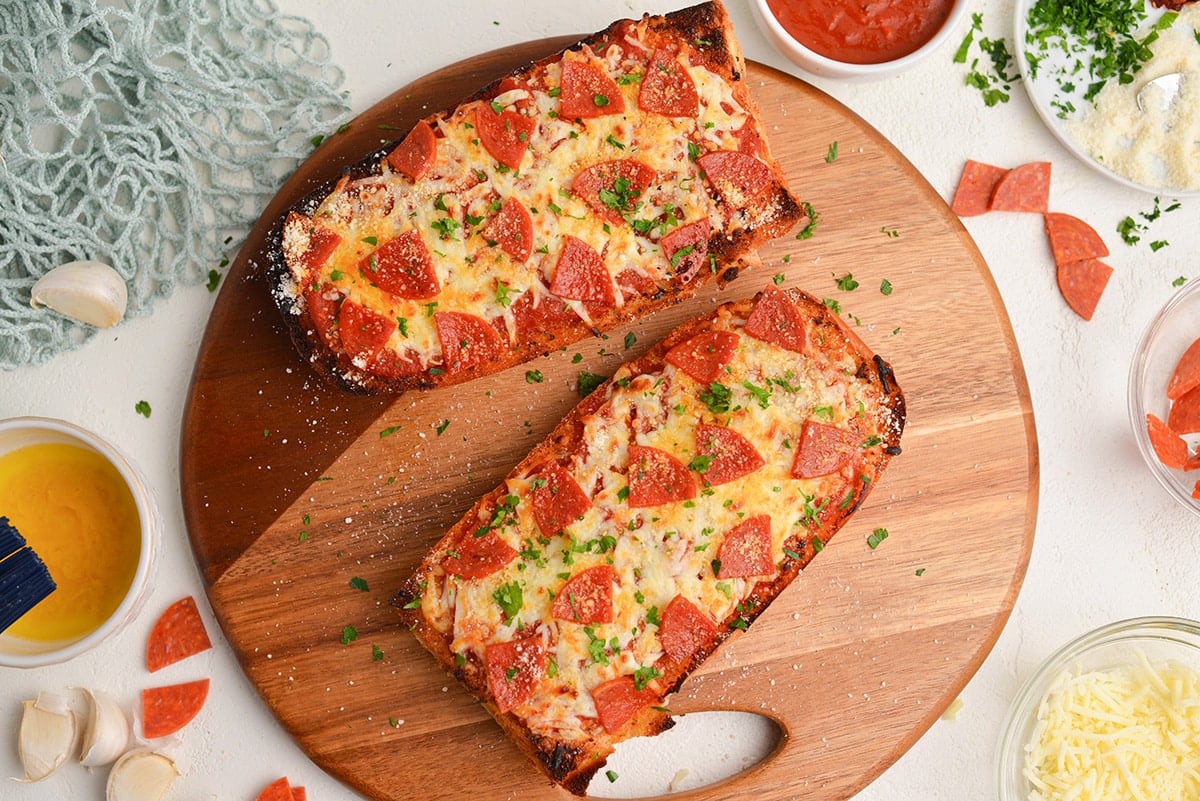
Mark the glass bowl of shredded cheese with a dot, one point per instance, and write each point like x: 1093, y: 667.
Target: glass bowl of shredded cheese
x: 1114, y: 714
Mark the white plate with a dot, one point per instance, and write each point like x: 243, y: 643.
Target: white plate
x: 1049, y: 97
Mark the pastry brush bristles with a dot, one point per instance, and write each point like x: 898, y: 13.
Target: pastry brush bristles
x: 24, y: 579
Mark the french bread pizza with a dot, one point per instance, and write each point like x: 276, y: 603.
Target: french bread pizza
x: 576, y: 194
x: 664, y: 513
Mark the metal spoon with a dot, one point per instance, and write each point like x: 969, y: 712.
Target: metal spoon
x: 1168, y: 91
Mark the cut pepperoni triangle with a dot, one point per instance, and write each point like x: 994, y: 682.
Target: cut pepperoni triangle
x: 362, y: 331
x: 973, y: 195
x: 324, y: 305
x: 1184, y: 417
x: 823, y: 449
x: 514, y: 670
x: 1081, y: 284
x: 478, y: 557
x: 387, y: 363
x: 632, y: 282
x: 177, y: 634
x: 686, y: 248
x: 685, y: 629
x: 614, y: 189
x: 307, y: 245
x: 730, y: 455
x: 166, y: 710
x: 505, y: 135
x: 737, y: 178
x: 299, y: 794
x: 587, y: 597
x: 749, y: 141
x: 467, y: 340
x: 1170, y: 448
x: 1186, y: 375
x: 402, y: 267
x: 557, y: 499
x: 580, y: 274
x: 746, y: 549
x: 667, y: 88
x: 705, y: 355
x: 278, y: 790
x: 587, y: 92
x: 1024, y: 188
x: 511, y: 229
x: 619, y: 700
x: 1072, y: 239
x: 656, y: 477
x: 776, y: 320
x: 416, y: 153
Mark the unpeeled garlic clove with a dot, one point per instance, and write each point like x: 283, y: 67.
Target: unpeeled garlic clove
x: 89, y: 291
x: 106, y: 732
x: 47, y: 735
x: 140, y: 776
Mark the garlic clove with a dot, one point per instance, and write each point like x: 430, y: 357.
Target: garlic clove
x: 106, y: 732
x: 47, y: 735
x: 89, y: 291
x: 140, y: 775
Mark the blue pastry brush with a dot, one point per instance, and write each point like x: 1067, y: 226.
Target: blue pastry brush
x: 24, y: 579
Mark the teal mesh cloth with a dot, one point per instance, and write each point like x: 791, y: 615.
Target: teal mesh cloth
x: 148, y: 134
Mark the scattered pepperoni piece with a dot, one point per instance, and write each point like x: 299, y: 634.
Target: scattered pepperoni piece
x: 684, y: 630
x: 823, y: 449
x: 299, y: 794
x: 557, y: 499
x: 732, y: 455
x: 1072, y: 239
x: 177, y: 634
x: 512, y: 230
x: 415, y: 154
x: 278, y: 790
x: 618, y: 700
x: 656, y: 477
x: 613, y: 188
x: 316, y: 244
x: 973, y: 195
x: 746, y: 549
x: 1186, y: 375
x: 704, y: 355
x: 1184, y: 417
x: 402, y: 267
x: 580, y: 274
x: 1171, y: 449
x: 166, y: 710
x: 504, y: 134
x: 776, y: 320
x: 1082, y: 283
x: 1023, y: 188
x: 467, y: 340
x: 478, y: 557
x: 514, y: 670
x: 667, y: 88
x: 738, y: 179
x: 686, y: 248
x: 587, y: 597
x: 587, y: 92
x: 363, y: 331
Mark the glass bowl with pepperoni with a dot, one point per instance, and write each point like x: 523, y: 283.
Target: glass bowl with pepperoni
x: 1164, y: 395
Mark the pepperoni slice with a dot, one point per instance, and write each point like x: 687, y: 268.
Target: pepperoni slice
x: 308, y: 245
x: 402, y: 267
x: 823, y: 449
x: 467, y: 340
x: 667, y: 88
x: 775, y: 319
x: 587, y: 92
x: 504, y: 134
x: 587, y: 597
x: 686, y: 248
x: 512, y: 230
x: 1186, y: 375
x: 737, y: 178
x: 633, y: 282
x: 299, y: 794
x: 1082, y: 283
x: 746, y: 549
x: 387, y: 363
x: 731, y: 455
x: 177, y: 634
x: 478, y: 557
x: 749, y: 141
x: 1171, y: 449
x: 166, y: 710
x: 1072, y: 239
x: 656, y: 477
x: 684, y: 630
x: 1185, y: 414
x: 618, y: 700
x: 973, y: 195
x: 580, y: 274
x: 613, y: 188
x: 363, y: 331
x: 537, y: 314
x: 415, y: 154
x: 323, y: 305
x: 557, y: 499
x: 1024, y: 188
x: 705, y: 355
x: 278, y: 790
x: 514, y: 670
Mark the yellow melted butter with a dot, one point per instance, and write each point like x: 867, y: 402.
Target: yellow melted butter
x: 75, y: 510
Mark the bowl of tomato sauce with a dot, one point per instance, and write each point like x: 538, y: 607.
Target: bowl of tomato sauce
x: 860, y: 39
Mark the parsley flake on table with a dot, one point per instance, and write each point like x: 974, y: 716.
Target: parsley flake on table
x: 442, y: 426
x: 534, y: 377
x: 387, y: 432
x: 586, y: 382
x: 876, y: 537
x: 349, y: 634
x: 993, y: 79
x: 846, y: 283
x: 810, y: 227
x: 214, y: 280
x: 885, y: 287
x: 359, y: 584
x: 143, y: 408
x: 832, y: 154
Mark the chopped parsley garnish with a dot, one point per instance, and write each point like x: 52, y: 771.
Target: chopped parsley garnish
x: 877, y: 536
x: 502, y: 296
x: 143, y: 408
x: 508, y: 596
x: 376, y: 653
x: 214, y: 280
x: 778, y: 278
x: 701, y: 463
x: 387, y: 432
x: 644, y: 675
x: 832, y: 154
x: 534, y: 377
x: 994, y: 79
x: 349, y: 634
x: 885, y: 287
x: 810, y: 227
x: 847, y: 283
x: 760, y: 394
x: 359, y: 584
x: 716, y: 397
x: 630, y: 340
x: 586, y: 382
x: 442, y: 426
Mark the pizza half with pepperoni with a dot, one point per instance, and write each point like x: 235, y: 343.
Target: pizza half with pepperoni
x: 664, y: 513
x: 572, y: 196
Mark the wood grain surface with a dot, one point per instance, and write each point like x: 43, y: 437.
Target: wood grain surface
x: 291, y: 489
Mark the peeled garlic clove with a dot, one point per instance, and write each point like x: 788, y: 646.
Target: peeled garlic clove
x: 140, y: 776
x: 89, y: 291
x: 47, y: 735
x: 106, y: 732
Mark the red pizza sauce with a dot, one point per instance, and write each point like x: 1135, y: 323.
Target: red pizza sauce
x: 861, y: 31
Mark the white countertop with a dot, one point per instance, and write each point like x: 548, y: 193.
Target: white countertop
x: 1110, y: 543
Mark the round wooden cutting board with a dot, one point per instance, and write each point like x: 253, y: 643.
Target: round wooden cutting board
x: 291, y: 489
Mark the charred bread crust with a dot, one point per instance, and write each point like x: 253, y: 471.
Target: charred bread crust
x: 314, y: 326
x: 866, y: 402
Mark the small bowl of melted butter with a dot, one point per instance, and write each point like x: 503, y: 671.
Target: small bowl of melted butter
x: 86, y: 511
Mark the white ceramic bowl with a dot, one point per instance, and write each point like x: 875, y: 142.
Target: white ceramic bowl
x: 822, y: 66
x: 20, y: 432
